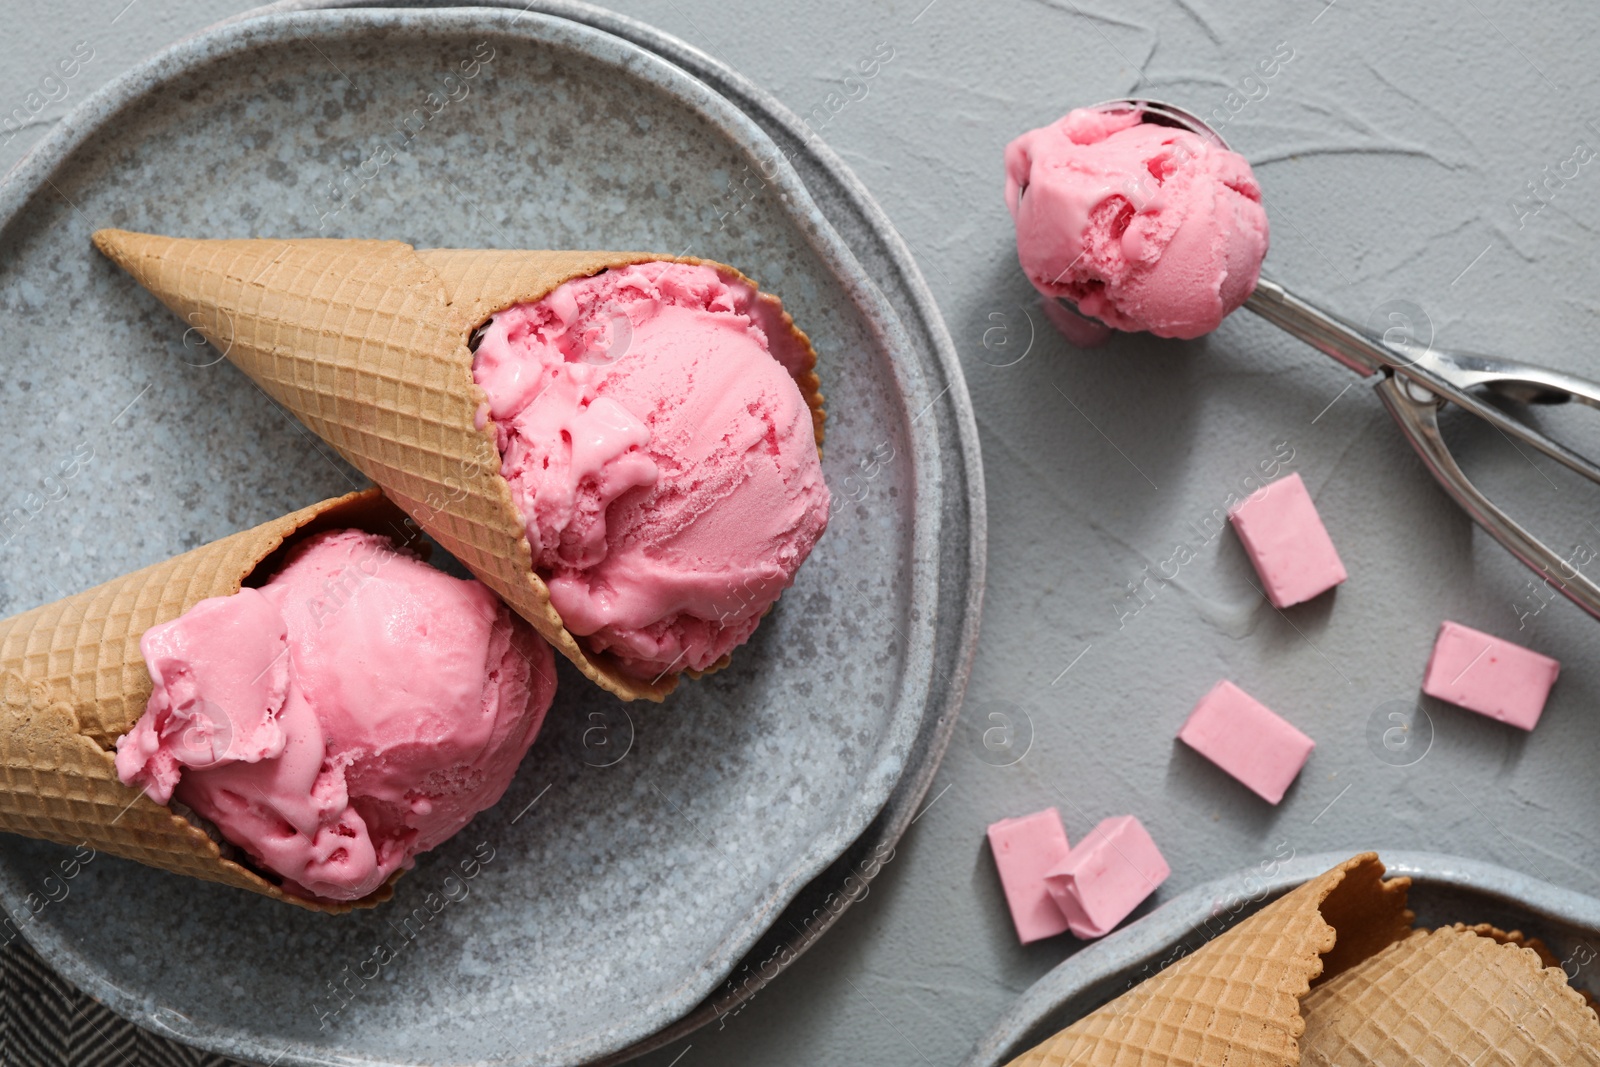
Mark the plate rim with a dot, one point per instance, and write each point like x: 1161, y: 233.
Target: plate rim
x: 45, y: 159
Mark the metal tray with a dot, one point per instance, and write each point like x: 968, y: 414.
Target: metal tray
x: 656, y: 866
x: 1445, y: 889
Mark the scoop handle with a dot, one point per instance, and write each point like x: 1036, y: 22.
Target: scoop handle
x: 1322, y: 331
x: 1446, y: 375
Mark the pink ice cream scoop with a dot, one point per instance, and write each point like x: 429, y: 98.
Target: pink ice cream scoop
x: 661, y: 455
x: 1142, y: 226
x: 356, y: 710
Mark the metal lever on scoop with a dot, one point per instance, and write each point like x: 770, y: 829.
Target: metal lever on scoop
x: 1418, y: 418
x: 1415, y: 384
x: 1447, y: 375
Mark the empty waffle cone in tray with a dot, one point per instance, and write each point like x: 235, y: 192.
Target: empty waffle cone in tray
x: 1333, y: 975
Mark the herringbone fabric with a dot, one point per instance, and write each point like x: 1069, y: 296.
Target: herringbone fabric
x: 45, y: 1022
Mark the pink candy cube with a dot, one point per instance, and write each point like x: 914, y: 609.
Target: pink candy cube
x: 1107, y: 876
x: 1024, y: 849
x: 1490, y: 676
x: 1247, y: 739
x: 1287, y: 542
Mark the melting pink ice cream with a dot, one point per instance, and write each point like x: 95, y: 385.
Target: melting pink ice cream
x: 356, y: 710
x: 661, y: 455
x: 1144, y: 227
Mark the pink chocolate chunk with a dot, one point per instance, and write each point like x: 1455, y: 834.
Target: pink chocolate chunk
x: 1024, y: 849
x: 1490, y: 676
x: 1287, y: 542
x: 1247, y: 739
x: 1108, y: 875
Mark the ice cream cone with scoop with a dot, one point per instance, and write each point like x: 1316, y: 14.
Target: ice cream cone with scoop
x: 298, y: 709
x: 623, y: 446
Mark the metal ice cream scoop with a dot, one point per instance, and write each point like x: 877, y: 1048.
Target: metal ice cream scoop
x: 1416, y: 381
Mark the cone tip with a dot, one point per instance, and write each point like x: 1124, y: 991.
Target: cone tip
x: 116, y: 245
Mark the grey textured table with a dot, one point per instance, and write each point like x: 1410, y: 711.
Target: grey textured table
x: 1396, y: 149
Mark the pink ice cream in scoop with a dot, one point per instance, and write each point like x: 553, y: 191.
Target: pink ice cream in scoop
x: 356, y: 710
x: 661, y: 455
x: 1142, y: 226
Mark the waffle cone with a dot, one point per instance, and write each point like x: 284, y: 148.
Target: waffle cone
x: 1540, y: 949
x: 1514, y: 937
x: 1451, y: 998
x: 367, y: 342
x: 1236, y: 1000
x: 72, y: 680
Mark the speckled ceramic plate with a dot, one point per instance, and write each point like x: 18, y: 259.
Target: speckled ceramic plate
x: 651, y: 865
x: 1445, y: 889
